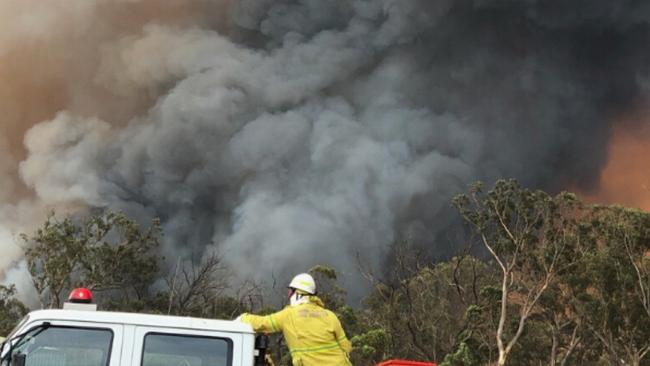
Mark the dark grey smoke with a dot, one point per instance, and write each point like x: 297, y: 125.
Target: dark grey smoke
x: 289, y: 133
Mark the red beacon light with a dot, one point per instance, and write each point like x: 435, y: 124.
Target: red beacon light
x: 80, y: 299
x: 80, y: 296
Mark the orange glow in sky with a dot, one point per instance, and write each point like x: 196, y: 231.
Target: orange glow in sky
x: 625, y: 178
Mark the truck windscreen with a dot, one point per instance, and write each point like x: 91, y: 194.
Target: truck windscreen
x: 64, y: 346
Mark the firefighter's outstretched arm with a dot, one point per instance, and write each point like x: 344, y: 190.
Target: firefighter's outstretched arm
x: 266, y: 323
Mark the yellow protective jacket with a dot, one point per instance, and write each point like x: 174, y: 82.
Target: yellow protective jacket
x: 314, y: 334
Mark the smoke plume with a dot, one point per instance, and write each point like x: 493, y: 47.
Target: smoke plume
x: 287, y: 133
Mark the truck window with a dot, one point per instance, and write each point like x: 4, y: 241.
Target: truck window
x: 185, y: 350
x: 65, y: 346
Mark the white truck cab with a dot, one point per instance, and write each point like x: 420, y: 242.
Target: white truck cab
x: 97, y: 338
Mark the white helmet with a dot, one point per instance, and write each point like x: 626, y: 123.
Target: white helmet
x: 304, y: 282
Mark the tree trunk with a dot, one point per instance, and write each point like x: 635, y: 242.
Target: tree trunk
x: 554, y: 348
x: 502, y: 358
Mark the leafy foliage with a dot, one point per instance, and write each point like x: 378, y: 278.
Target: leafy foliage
x: 615, y: 289
x: 462, y: 357
x: 11, y: 309
x: 530, y: 236
x: 106, y: 253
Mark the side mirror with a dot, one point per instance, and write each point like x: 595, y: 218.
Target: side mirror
x: 18, y: 359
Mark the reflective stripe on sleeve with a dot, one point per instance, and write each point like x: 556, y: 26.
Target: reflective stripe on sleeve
x: 315, y: 349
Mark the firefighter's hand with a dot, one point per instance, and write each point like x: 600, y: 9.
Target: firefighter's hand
x: 269, y: 360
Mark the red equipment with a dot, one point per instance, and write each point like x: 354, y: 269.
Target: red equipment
x: 81, y: 296
x: 405, y: 363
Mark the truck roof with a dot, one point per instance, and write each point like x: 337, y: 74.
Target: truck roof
x: 166, y: 321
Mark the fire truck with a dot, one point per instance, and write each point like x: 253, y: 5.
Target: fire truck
x: 79, y: 335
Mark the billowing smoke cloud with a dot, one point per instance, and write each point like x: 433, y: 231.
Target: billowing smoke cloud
x: 52, y: 58
x: 292, y: 132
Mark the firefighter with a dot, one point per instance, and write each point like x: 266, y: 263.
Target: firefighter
x: 314, y: 334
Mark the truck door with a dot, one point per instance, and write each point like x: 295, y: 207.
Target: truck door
x: 69, y: 343
x: 184, y: 347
